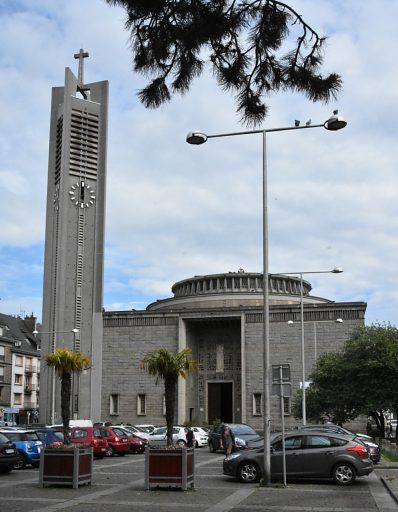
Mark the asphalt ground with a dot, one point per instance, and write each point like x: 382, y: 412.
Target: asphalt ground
x: 118, y: 486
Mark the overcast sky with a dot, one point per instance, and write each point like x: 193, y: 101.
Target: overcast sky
x: 176, y: 210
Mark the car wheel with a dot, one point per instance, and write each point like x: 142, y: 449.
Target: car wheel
x: 196, y: 445
x: 110, y: 452
x: 211, y: 447
x: 249, y: 473
x: 181, y: 443
x: 343, y: 474
x: 21, y: 462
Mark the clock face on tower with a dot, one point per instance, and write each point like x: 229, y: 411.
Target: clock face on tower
x: 82, y: 194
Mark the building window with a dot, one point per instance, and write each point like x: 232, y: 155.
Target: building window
x: 18, y: 379
x: 114, y: 404
x: 2, y: 353
x: 256, y: 404
x: 220, y: 358
x: 17, y: 398
x: 1, y: 373
x: 141, y: 405
x: 76, y: 403
x: 18, y: 361
x: 1, y: 331
x: 287, y: 406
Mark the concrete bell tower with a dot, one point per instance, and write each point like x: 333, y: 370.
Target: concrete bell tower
x: 74, y: 243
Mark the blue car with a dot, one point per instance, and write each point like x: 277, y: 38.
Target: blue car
x: 28, y: 447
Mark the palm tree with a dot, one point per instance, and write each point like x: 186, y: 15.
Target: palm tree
x: 169, y: 366
x: 66, y: 363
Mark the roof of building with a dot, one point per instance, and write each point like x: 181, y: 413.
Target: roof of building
x: 19, y: 331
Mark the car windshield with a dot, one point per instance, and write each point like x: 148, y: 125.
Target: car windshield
x: 243, y: 430
x: 3, y: 438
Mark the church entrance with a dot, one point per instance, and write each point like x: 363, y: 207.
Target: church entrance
x: 219, y: 401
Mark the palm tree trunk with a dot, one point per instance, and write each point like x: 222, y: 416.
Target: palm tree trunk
x: 66, y: 390
x: 170, y: 386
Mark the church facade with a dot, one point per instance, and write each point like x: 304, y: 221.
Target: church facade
x: 220, y: 317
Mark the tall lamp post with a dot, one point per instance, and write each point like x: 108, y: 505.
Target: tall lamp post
x: 35, y: 333
x: 334, y: 123
x: 336, y: 270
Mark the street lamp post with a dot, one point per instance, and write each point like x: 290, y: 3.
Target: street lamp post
x: 35, y: 333
x: 334, y: 123
x: 336, y: 270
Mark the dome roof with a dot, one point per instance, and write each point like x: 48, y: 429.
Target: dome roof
x: 234, y: 289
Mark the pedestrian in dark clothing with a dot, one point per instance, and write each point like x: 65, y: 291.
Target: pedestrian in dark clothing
x: 190, y: 436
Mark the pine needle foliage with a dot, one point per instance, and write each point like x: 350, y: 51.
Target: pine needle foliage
x: 254, y: 48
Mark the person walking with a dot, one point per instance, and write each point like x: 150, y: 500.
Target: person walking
x: 227, y: 440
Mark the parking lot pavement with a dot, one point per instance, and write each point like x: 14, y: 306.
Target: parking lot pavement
x: 388, y: 475
x: 118, y: 486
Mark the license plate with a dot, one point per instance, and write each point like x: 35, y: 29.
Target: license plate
x: 9, y: 450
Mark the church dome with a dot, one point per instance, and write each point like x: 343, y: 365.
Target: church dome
x: 234, y: 289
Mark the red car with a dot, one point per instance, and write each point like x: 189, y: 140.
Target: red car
x: 137, y: 443
x: 118, y: 441
x: 91, y: 436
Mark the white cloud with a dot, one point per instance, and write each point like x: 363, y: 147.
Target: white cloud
x: 174, y: 210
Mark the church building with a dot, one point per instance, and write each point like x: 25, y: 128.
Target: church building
x: 220, y: 317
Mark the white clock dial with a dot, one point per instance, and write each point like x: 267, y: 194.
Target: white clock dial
x: 82, y: 194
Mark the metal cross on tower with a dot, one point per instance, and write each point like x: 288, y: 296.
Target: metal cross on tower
x: 81, y: 55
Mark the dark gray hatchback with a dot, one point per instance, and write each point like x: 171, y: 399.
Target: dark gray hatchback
x: 308, y: 455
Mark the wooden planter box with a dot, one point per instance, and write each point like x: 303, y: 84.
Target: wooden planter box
x: 169, y: 468
x: 66, y: 466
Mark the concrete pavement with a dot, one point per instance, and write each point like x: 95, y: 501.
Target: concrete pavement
x: 118, y: 486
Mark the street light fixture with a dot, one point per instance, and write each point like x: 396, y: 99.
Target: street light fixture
x: 315, y: 323
x: 334, y: 123
x: 336, y: 270
x: 35, y: 333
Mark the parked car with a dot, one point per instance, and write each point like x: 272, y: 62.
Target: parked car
x: 28, y: 446
x: 118, y: 442
x: 91, y: 436
x: 201, y: 436
x: 158, y: 437
x: 308, y: 455
x: 8, y: 454
x: 242, y: 432
x: 373, y: 448
x: 135, y: 430
x: 48, y: 436
x: 145, y: 428
x: 137, y: 444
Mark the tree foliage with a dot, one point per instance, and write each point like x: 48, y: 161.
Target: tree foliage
x: 168, y: 366
x: 65, y: 363
x: 361, y: 379
x: 246, y: 42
